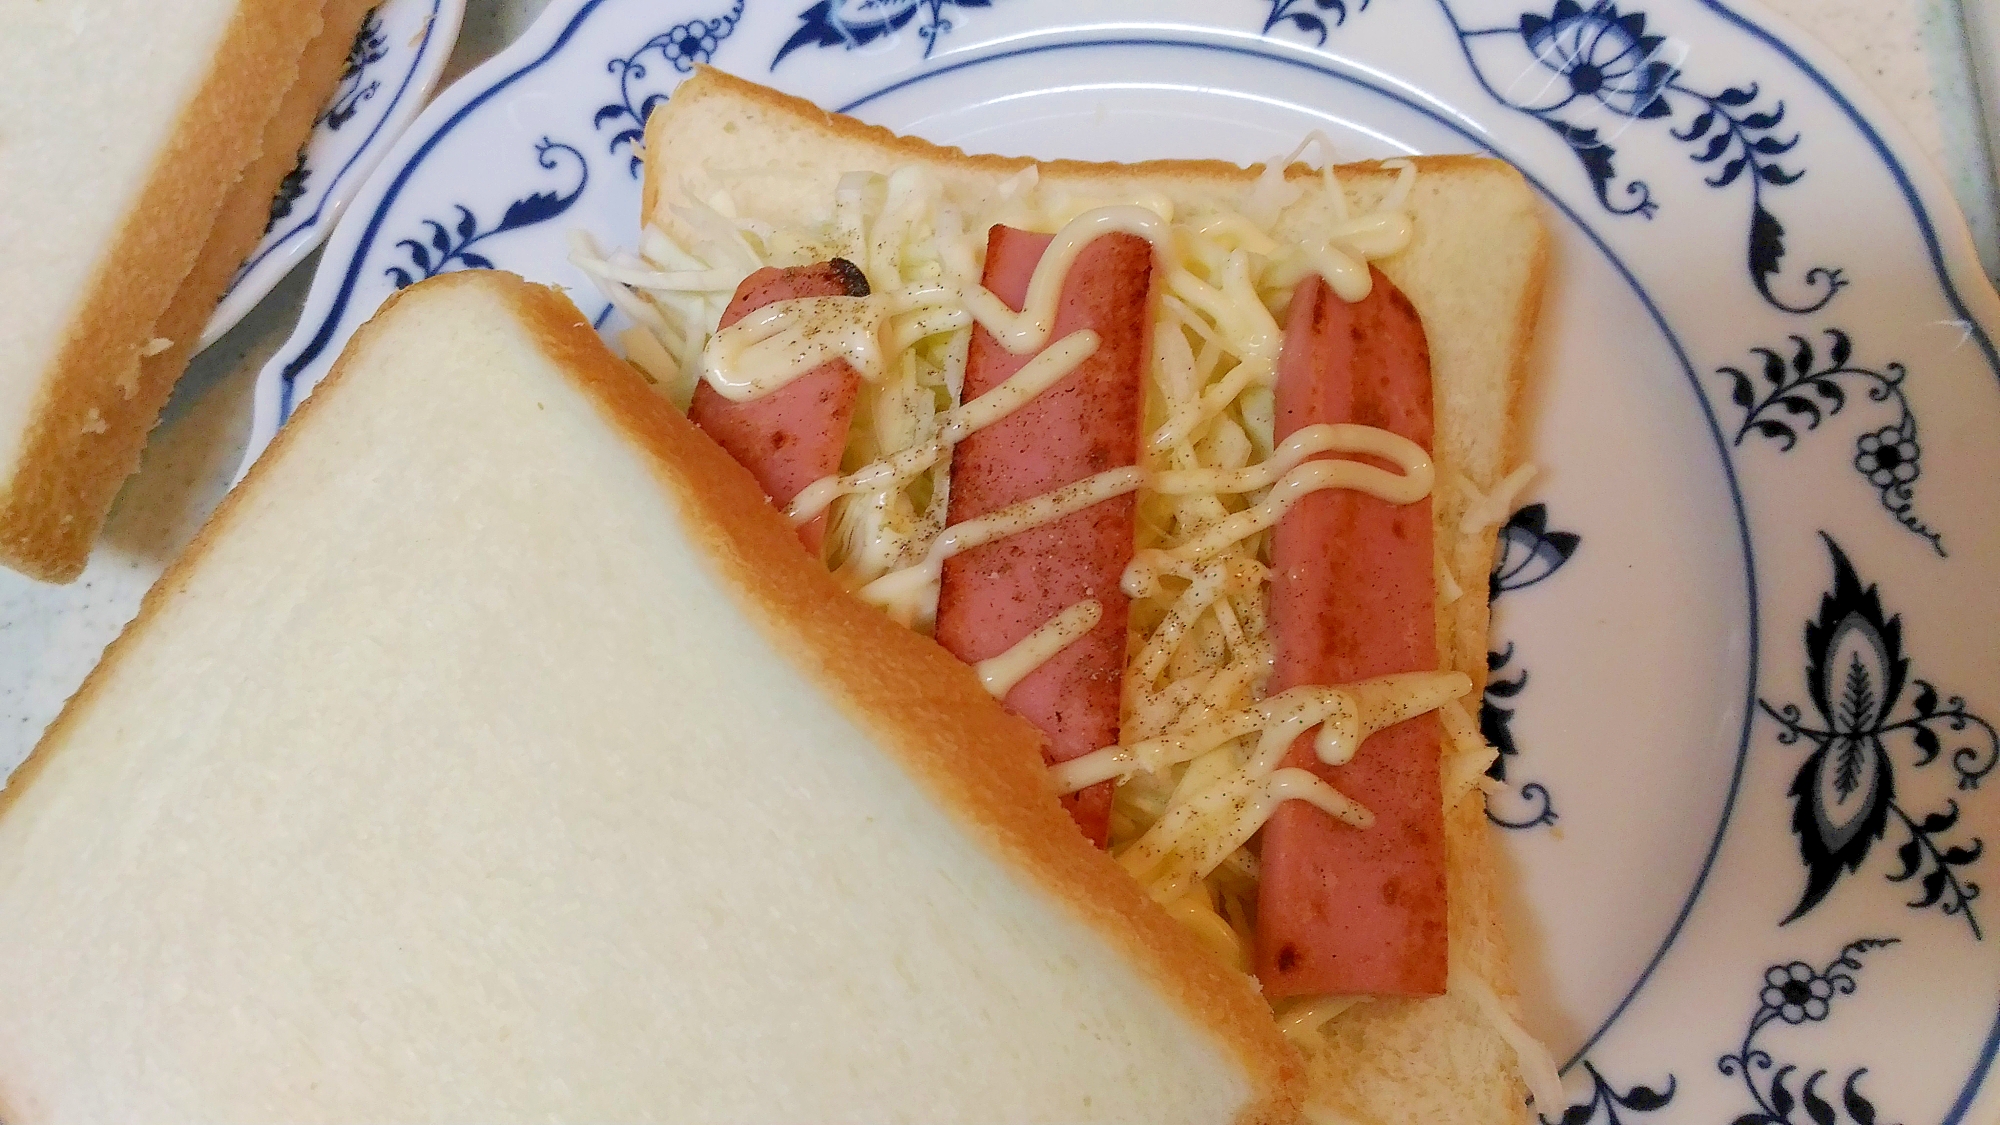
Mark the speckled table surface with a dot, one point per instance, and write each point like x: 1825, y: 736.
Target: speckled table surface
x: 1913, y: 54
x: 1917, y: 57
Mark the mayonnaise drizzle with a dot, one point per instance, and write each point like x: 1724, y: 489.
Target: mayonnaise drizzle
x: 783, y: 340
x: 896, y: 588
x: 1026, y: 331
x: 1342, y: 257
x: 1346, y: 717
x: 1000, y: 673
x: 1248, y: 803
x: 1172, y: 856
x: 1311, y: 441
x: 1143, y: 574
x: 1413, y: 483
x: 1034, y: 377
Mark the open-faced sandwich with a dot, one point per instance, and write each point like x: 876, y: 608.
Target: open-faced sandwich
x: 1200, y: 466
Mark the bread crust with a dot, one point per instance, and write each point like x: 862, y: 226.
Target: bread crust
x: 929, y: 709
x: 98, y: 400
x: 710, y: 83
x: 245, y: 215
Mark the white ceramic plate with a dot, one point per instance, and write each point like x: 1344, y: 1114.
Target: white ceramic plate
x: 391, y: 69
x: 1748, y: 623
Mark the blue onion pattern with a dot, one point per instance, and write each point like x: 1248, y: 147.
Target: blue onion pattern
x: 1601, y: 55
x: 1527, y: 553
x: 1309, y: 16
x: 1789, y: 994
x: 857, y: 23
x: 1792, y: 391
x: 1848, y: 794
x: 355, y: 86
x: 681, y: 47
x: 1794, y: 994
x: 1573, y: 63
x: 289, y: 190
x: 1797, y: 992
x: 445, y: 246
x: 1610, y: 1103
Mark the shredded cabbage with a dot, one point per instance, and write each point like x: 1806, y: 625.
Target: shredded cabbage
x: 1199, y: 633
x: 901, y: 233
x: 1200, y: 638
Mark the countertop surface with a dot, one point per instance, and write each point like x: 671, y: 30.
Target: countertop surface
x: 1913, y: 54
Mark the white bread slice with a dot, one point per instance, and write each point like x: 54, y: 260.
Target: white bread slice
x: 126, y: 124
x: 1474, y: 271
x: 495, y: 755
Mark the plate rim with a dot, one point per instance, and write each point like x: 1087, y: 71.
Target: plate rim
x: 276, y: 257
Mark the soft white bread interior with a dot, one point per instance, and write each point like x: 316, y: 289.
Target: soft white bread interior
x: 127, y: 123
x: 1474, y: 270
x: 495, y: 754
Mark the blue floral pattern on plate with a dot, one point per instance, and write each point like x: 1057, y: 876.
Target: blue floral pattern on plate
x: 1615, y: 1106
x: 1309, y: 17
x: 1598, y: 57
x: 1792, y: 993
x: 683, y: 47
x: 1844, y: 796
x: 395, y: 59
x: 359, y: 79
x: 1802, y: 390
x: 449, y: 245
x: 857, y: 23
x: 1528, y: 553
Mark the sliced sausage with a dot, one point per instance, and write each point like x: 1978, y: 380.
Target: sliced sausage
x: 1353, y: 594
x: 992, y: 597
x: 795, y: 435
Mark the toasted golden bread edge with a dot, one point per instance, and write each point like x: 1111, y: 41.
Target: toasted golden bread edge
x: 86, y: 431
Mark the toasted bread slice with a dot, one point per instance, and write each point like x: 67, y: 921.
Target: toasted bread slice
x: 128, y: 124
x: 1474, y: 271
x: 495, y: 754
